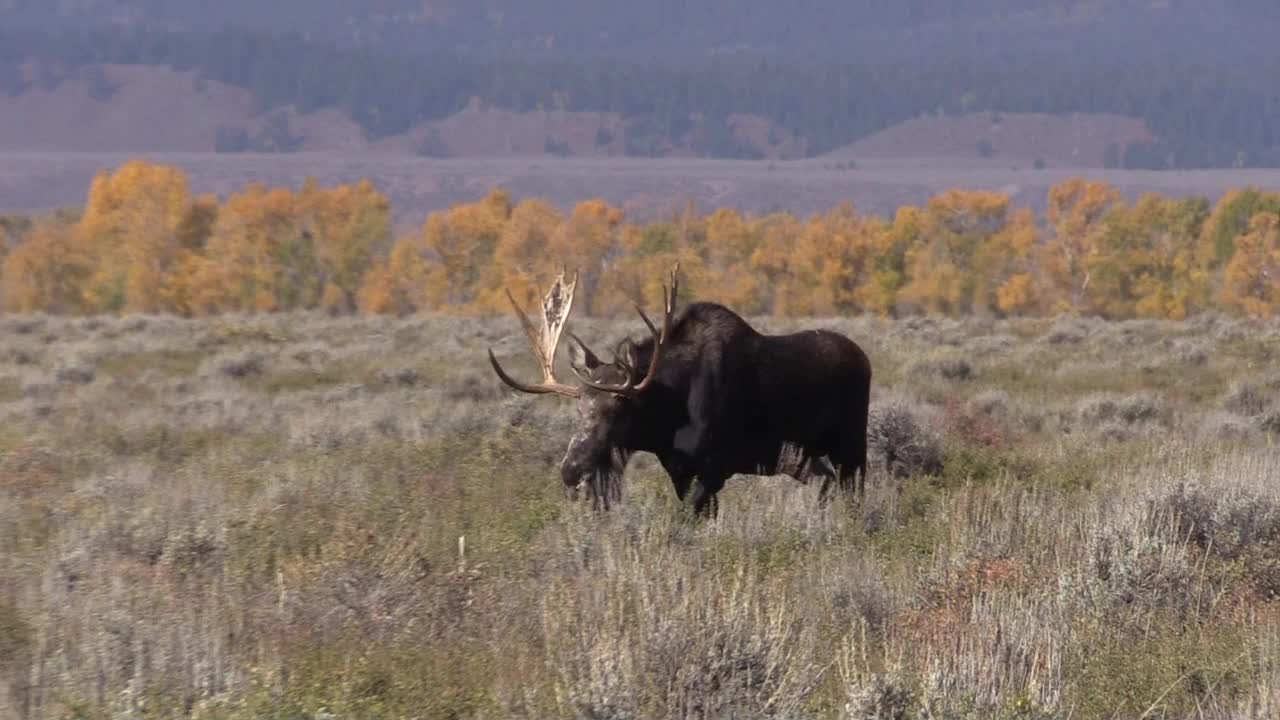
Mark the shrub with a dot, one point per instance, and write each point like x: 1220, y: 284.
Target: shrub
x: 74, y: 375
x: 1245, y: 398
x: 243, y: 365
x: 897, y: 431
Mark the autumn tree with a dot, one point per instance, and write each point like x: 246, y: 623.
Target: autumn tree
x: 460, y: 243
x: 4, y: 252
x: 1145, y: 260
x: 1076, y: 210
x: 645, y: 257
x: 1251, y: 281
x: 349, y: 225
x: 129, y: 233
x: 1231, y: 217
x: 397, y: 285
x: 941, y: 269
x: 889, y: 253
x: 1004, y: 267
x: 775, y: 264
x: 193, y: 233
x: 523, y: 259
x: 260, y: 256
x: 588, y: 241
x: 833, y: 259
x: 46, y: 272
x: 731, y: 280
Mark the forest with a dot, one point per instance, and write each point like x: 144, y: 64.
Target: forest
x: 143, y: 243
x: 1215, y: 108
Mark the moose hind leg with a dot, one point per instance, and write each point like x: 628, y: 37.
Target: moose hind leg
x: 821, y: 468
x: 851, y: 467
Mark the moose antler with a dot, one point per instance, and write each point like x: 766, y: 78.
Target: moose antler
x: 555, y: 312
x: 659, y: 343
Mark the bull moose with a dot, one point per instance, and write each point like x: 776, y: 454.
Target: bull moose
x: 709, y: 396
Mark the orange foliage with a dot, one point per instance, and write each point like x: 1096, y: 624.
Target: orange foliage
x: 1251, y: 284
x: 1076, y: 210
x: 942, y: 265
x: 143, y: 244
x: 129, y: 233
x: 46, y: 273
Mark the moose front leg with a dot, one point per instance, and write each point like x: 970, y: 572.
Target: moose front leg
x: 681, y: 472
x: 703, y: 495
x: 694, y: 486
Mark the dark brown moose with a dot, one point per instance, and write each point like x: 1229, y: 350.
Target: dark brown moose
x: 709, y: 396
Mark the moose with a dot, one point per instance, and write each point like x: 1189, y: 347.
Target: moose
x: 710, y: 396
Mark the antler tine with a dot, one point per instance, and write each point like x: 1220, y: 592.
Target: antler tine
x: 555, y: 311
x: 646, y: 319
x: 659, y: 342
x: 535, y: 340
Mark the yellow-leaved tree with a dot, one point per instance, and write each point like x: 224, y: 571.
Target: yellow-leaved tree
x: 129, y: 234
x: 890, y: 250
x: 4, y: 253
x: 1229, y: 219
x: 46, y: 272
x: 1145, y: 262
x: 941, y: 269
x: 350, y: 226
x: 588, y: 241
x: 1004, y: 267
x: 523, y: 258
x: 834, y: 259
x: 645, y: 256
x: 397, y: 285
x: 1251, y: 281
x: 1077, y: 208
x: 459, y: 245
x: 730, y: 279
x: 773, y: 262
x: 259, y: 258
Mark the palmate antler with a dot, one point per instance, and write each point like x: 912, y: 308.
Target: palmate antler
x: 555, y: 312
x: 659, y: 343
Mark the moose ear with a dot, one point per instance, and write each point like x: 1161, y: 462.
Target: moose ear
x: 581, y: 359
x: 627, y: 355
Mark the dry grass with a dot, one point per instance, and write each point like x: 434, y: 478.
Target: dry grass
x: 305, y: 517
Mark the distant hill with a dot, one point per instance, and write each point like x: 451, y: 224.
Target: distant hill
x: 155, y: 109
x: 135, y: 108
x: 742, y: 79
x: 1029, y: 139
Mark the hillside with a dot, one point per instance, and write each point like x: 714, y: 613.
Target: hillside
x: 1075, y: 140
x: 1200, y: 109
x: 136, y: 108
x: 155, y: 109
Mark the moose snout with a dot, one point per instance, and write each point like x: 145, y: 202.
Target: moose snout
x: 574, y: 468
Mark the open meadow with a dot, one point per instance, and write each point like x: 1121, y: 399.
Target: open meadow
x: 295, y: 516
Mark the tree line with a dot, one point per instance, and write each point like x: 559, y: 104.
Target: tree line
x: 1220, y: 112
x: 143, y: 243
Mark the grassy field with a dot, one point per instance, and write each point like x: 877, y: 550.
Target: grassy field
x: 644, y: 187
x: 305, y: 517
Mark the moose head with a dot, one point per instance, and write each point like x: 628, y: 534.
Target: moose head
x: 616, y: 401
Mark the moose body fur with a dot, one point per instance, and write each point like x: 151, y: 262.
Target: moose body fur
x: 722, y: 399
